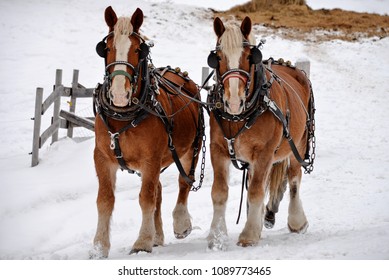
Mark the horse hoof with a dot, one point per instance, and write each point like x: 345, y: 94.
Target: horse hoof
x: 301, y: 230
x: 158, y: 244
x: 247, y: 243
x: 158, y: 241
x: 270, y: 219
x: 184, y: 234
x: 269, y: 224
x: 217, y: 246
x: 136, y: 251
x: 94, y: 256
x: 98, y: 253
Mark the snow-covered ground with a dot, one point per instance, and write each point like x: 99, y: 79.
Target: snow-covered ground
x: 49, y: 211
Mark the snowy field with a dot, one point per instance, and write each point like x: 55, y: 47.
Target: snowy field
x: 49, y: 211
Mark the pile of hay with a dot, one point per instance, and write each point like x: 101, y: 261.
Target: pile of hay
x: 297, y: 19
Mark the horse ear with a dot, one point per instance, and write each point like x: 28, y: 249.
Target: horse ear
x: 218, y: 27
x: 137, y: 20
x: 246, y: 27
x: 110, y: 17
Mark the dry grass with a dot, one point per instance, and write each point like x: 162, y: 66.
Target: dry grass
x: 298, y: 20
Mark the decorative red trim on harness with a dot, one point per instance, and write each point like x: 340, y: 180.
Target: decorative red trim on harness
x: 235, y: 75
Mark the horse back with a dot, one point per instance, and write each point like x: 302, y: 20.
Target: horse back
x: 292, y: 93
x: 180, y: 81
x: 174, y: 87
x: 294, y: 81
x: 183, y: 112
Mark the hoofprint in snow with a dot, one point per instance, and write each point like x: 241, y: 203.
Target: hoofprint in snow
x: 49, y: 211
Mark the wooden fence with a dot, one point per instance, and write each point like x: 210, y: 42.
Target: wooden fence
x: 60, y: 118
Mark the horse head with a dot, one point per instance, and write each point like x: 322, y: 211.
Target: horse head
x: 124, y: 51
x: 233, y: 59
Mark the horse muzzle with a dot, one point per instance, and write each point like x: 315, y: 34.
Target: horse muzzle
x: 234, y: 108
x: 120, y: 99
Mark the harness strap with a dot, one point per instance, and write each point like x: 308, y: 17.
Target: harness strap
x: 285, y: 123
x: 118, y: 152
x: 231, y: 151
x: 176, y: 159
x: 245, y: 183
x: 115, y: 146
x: 235, y: 75
x: 231, y: 146
x: 121, y: 72
x: 199, y: 134
x: 169, y: 130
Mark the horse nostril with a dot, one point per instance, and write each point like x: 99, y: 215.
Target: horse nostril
x: 226, y: 104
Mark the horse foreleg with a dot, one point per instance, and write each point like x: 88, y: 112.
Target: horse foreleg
x: 297, y: 221
x: 159, y: 236
x: 256, y: 193
x: 277, y: 186
x: 147, y: 202
x: 218, y: 231
x: 182, y: 224
x: 106, y: 174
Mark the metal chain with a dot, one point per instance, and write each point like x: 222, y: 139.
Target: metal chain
x: 311, y: 135
x: 204, y: 150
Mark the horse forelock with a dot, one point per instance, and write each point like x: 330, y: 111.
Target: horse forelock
x: 230, y: 43
x: 123, y: 27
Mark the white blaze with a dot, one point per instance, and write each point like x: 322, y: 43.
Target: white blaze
x: 234, y: 101
x: 231, y: 46
x: 122, y: 44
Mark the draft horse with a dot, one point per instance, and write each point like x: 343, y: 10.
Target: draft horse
x: 262, y: 120
x: 144, y: 123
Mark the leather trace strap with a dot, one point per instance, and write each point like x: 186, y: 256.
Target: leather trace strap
x: 172, y: 148
x: 115, y: 146
x: 285, y: 123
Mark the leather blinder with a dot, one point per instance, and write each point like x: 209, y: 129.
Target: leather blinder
x: 213, y: 60
x: 255, y: 56
x: 144, y: 50
x: 101, y: 49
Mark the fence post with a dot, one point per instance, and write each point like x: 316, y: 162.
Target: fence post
x: 72, y: 105
x: 305, y: 65
x: 204, y: 75
x: 37, y: 127
x: 57, y: 103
